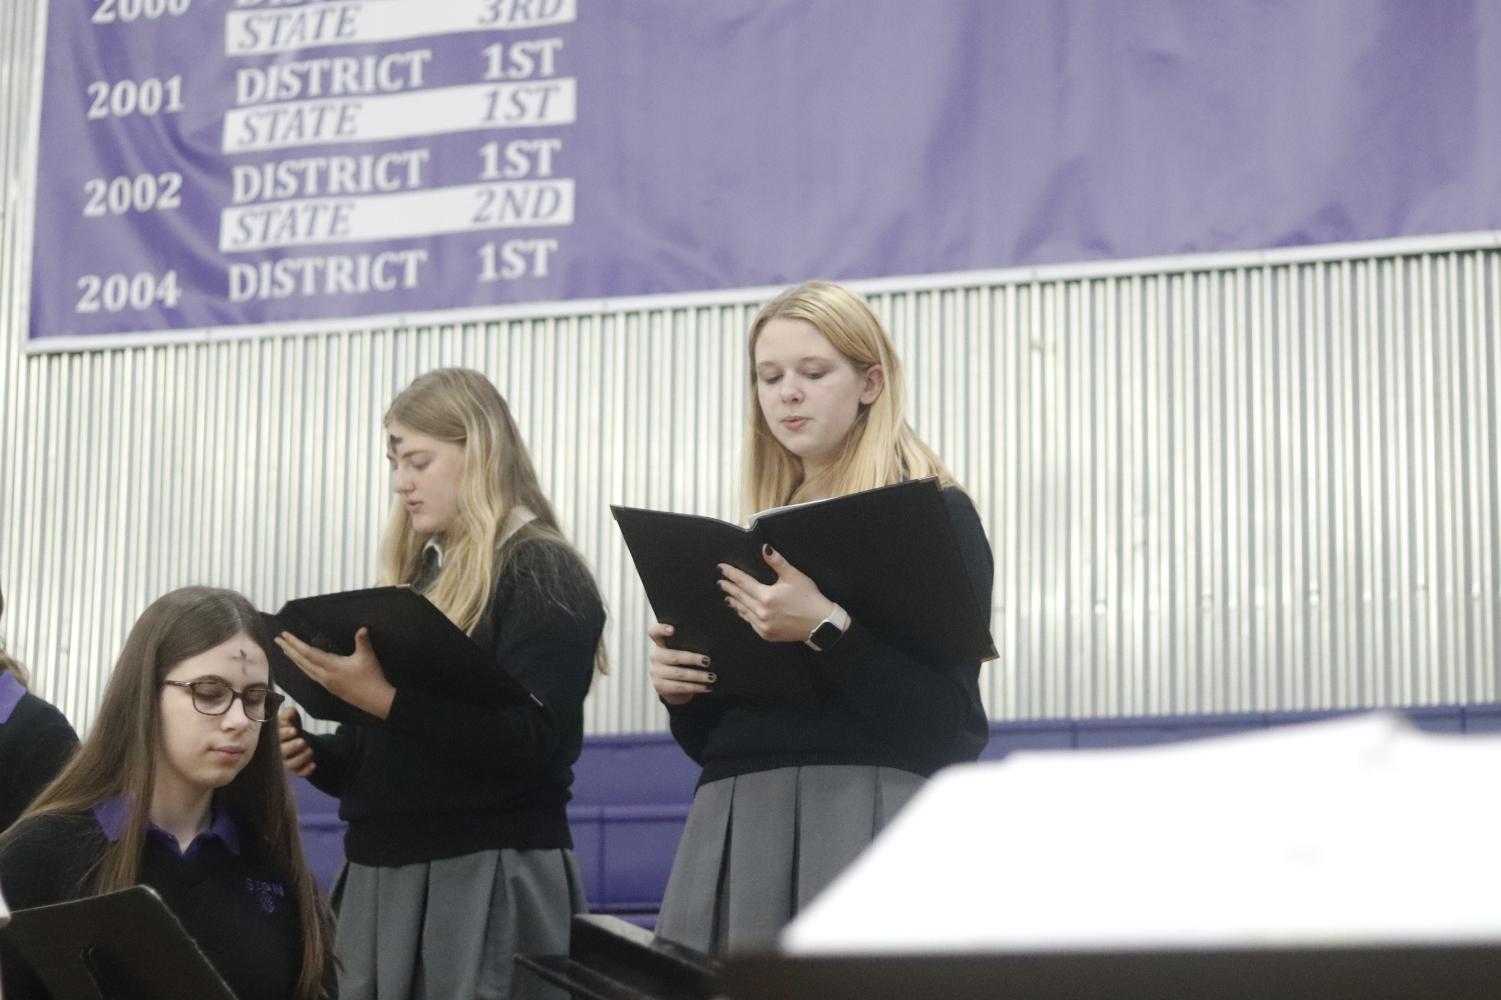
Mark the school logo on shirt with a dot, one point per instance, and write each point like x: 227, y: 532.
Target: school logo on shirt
x: 268, y: 893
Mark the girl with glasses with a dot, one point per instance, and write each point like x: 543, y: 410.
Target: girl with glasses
x: 459, y: 852
x: 179, y: 786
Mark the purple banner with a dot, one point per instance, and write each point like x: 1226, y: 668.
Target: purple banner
x: 218, y: 164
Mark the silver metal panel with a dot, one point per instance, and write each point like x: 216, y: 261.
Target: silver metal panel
x: 1233, y: 483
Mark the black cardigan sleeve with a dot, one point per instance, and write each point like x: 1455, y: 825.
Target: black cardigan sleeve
x: 43, y: 860
x: 693, y: 721
x: 334, y: 754
x: 907, y: 698
x: 546, y: 617
x: 34, y: 746
x: 927, y: 713
x: 47, y: 859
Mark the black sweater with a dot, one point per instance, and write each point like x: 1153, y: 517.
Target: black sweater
x: 877, y: 704
x: 233, y: 905
x: 440, y: 778
x: 35, y: 742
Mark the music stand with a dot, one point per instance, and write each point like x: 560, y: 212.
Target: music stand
x: 1454, y: 972
x: 122, y: 945
x: 610, y: 959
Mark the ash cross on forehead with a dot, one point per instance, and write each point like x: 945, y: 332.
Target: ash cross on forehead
x: 241, y: 657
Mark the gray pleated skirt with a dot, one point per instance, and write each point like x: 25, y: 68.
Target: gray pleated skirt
x: 452, y: 928
x: 758, y: 847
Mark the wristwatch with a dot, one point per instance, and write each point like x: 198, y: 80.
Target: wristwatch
x: 828, y: 631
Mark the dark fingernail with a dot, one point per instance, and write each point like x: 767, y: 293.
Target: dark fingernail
x: 704, y: 660
x: 709, y: 689
x: 768, y: 549
x: 712, y: 678
x: 728, y: 603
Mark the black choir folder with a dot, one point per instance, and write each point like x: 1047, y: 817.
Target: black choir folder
x: 888, y: 556
x: 122, y: 945
x: 415, y: 642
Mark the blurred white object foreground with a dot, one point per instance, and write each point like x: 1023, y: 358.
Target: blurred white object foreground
x: 1358, y: 831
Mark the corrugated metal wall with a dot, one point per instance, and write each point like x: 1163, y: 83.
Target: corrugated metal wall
x: 1220, y: 484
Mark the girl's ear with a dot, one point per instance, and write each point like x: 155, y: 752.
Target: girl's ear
x: 874, y: 383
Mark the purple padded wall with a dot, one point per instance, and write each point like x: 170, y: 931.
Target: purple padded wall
x: 632, y: 793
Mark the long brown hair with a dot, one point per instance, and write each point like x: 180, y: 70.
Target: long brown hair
x: 119, y: 756
x: 881, y: 448
x: 497, y: 477
x: 8, y: 662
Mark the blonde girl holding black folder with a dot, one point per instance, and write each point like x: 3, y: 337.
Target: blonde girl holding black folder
x: 791, y: 793
x: 458, y: 847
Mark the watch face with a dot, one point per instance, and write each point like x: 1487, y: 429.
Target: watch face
x: 825, y: 635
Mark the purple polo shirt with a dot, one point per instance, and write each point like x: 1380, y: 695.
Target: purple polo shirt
x: 113, y: 813
x: 11, y: 693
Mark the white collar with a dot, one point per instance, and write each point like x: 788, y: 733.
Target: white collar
x: 519, y: 518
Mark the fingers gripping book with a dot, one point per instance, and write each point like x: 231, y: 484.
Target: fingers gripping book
x: 888, y: 556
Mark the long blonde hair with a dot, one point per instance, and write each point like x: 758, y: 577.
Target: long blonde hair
x: 119, y: 758
x: 496, y: 478
x: 881, y: 448
x: 8, y: 662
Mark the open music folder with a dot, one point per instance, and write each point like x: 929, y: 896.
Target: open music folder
x: 122, y: 945
x: 888, y: 556
x: 414, y: 641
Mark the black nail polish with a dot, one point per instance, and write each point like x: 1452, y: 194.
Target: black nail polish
x: 712, y: 678
x: 704, y: 660
x: 767, y: 549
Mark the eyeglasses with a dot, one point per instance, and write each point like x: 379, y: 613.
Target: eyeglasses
x: 214, y: 698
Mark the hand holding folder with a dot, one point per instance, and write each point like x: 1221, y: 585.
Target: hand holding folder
x: 415, y: 642
x: 888, y: 556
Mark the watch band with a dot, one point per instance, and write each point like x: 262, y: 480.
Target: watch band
x: 828, y: 631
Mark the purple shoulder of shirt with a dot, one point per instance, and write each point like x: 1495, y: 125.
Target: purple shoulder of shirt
x: 11, y: 693
x: 111, y: 815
